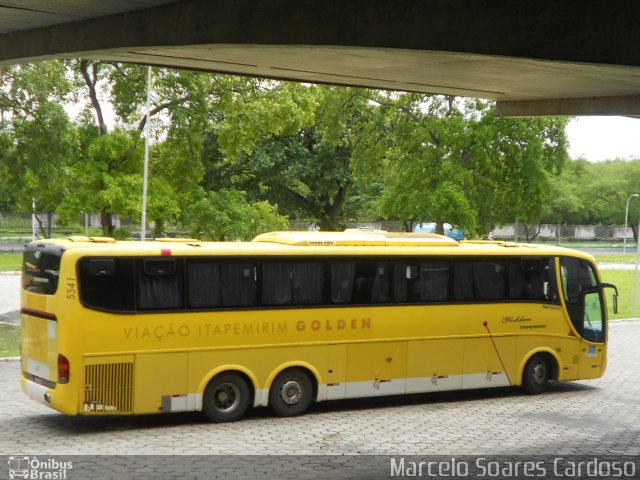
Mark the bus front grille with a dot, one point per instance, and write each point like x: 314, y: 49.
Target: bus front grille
x: 108, y: 388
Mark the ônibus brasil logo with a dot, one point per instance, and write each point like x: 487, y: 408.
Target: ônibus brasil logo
x: 37, y: 469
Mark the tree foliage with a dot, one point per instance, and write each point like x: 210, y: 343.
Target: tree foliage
x: 229, y: 156
x: 38, y: 139
x: 445, y: 159
x: 227, y: 215
x: 595, y: 193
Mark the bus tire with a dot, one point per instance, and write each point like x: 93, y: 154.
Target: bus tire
x: 291, y: 393
x: 226, y: 398
x: 535, y: 376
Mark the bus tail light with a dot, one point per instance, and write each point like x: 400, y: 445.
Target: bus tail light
x: 63, y: 369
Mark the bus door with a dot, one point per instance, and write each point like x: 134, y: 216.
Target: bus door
x: 586, y: 309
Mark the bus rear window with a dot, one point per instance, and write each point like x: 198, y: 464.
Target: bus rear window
x: 40, y: 271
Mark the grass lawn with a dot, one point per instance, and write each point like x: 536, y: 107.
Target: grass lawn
x: 9, y: 340
x: 628, y: 258
x: 624, y: 280
x: 10, y: 261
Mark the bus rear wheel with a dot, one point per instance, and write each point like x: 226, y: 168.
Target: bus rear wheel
x: 535, y: 377
x: 291, y: 393
x: 226, y: 398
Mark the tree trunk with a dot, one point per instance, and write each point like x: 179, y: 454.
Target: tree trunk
x: 107, y: 224
x: 91, y: 81
x: 408, y: 226
x: 41, y: 228
x: 49, y: 222
x: 533, y: 234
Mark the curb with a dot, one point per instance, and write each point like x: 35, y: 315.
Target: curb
x: 9, y: 359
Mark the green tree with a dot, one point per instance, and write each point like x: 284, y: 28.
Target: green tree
x: 106, y: 180
x: 39, y: 140
x: 306, y: 176
x: 227, y: 215
x: 307, y: 173
x: 520, y: 160
x: 185, y: 105
x: 446, y: 159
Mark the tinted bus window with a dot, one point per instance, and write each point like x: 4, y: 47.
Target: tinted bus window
x: 214, y: 284
x: 292, y: 283
x: 107, y: 283
x: 40, y: 271
x: 532, y: 279
x: 421, y: 282
x: 360, y: 282
x: 159, y: 284
x: 483, y: 280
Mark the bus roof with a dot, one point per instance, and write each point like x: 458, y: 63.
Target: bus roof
x: 349, y: 242
x: 357, y: 237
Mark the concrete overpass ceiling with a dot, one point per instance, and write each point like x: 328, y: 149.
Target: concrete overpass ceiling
x: 19, y: 15
x: 532, y: 56
x: 493, y: 77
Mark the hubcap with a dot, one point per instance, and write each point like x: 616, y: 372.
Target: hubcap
x: 291, y: 392
x: 539, y: 372
x: 226, y: 397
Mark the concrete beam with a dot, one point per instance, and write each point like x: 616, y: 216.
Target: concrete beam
x: 587, y: 31
x: 602, y: 106
x: 529, y: 50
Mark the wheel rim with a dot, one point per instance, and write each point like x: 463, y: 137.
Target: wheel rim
x: 539, y: 373
x: 291, y: 391
x: 226, y: 397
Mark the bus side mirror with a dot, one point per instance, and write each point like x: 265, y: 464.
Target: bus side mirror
x: 615, y: 295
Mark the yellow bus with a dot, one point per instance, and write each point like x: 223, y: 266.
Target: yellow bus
x: 291, y: 318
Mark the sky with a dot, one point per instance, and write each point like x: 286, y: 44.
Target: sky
x: 604, y: 138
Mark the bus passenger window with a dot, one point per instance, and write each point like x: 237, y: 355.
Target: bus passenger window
x: 434, y: 285
x: 292, y: 283
x: 421, y: 282
x: 463, y: 281
x: 479, y: 280
x: 203, y: 284
x: 219, y: 285
x: 371, y: 283
x: 238, y: 284
x: 381, y: 284
x: 489, y: 280
x: 360, y: 283
x: 107, y: 283
x: 159, y: 284
x: 532, y: 279
x: 276, y: 284
x: 307, y: 283
x: 342, y: 276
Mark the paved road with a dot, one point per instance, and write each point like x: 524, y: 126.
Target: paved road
x: 600, y: 417
x: 9, y: 297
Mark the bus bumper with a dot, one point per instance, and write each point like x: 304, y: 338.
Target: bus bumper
x: 37, y: 392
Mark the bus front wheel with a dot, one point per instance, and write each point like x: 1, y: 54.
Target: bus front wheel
x: 535, y: 377
x: 291, y: 393
x: 226, y: 398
